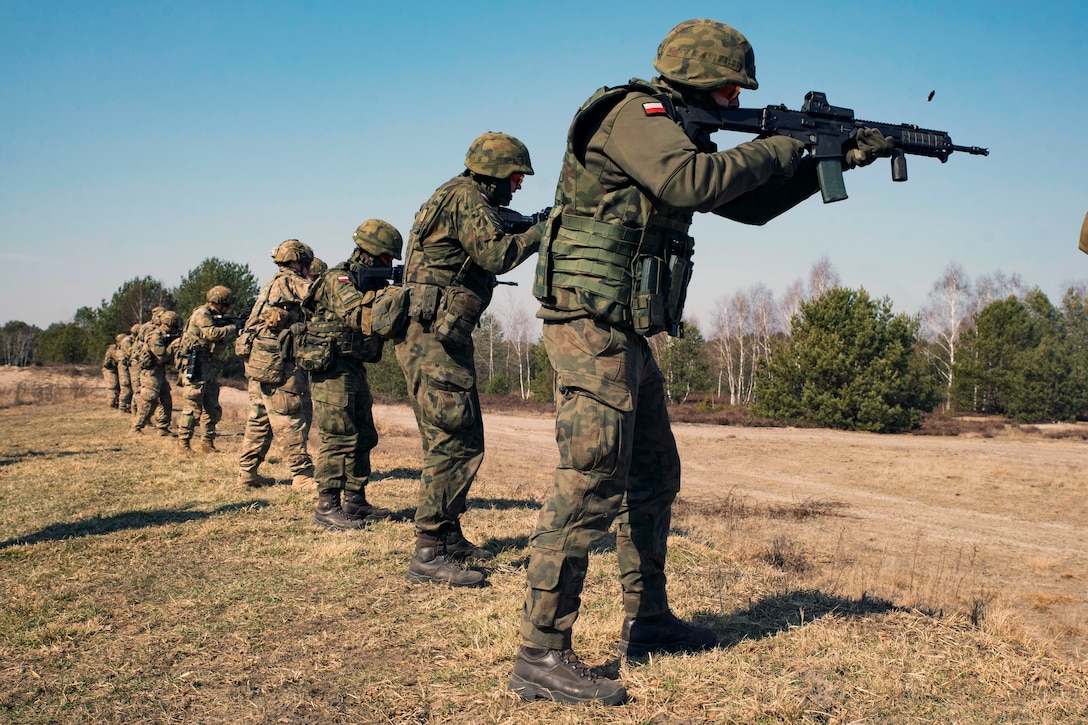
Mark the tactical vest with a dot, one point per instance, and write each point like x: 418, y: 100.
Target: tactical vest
x: 633, y: 275
x: 327, y: 336
x: 448, y: 291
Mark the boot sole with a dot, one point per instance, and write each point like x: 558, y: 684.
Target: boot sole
x: 415, y: 578
x: 335, y: 527
x: 628, y: 649
x: 532, y: 691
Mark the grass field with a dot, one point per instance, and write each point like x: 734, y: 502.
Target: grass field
x: 141, y: 585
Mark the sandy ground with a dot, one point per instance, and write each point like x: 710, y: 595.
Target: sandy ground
x: 1008, y: 514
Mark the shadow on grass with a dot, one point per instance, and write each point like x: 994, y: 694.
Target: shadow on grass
x: 402, y: 472
x: 774, y: 614
x: 127, y: 521
x: 10, y: 459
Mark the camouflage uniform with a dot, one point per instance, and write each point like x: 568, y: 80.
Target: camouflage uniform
x: 109, y: 375
x: 196, y: 374
x: 630, y: 182
x: 124, y: 379
x: 134, y: 362
x: 157, y: 345
x: 457, y: 233
x: 339, y: 332
x: 279, y: 409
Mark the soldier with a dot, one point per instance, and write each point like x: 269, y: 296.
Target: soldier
x: 124, y: 379
x: 279, y: 392
x: 456, y: 248
x: 109, y: 374
x: 134, y: 362
x: 630, y: 182
x: 317, y: 268
x: 159, y: 341
x: 337, y: 341
x: 204, y: 331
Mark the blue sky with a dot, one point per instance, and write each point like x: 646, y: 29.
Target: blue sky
x: 141, y: 138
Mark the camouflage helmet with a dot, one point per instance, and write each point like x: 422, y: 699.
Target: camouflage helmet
x: 170, y: 319
x: 292, y: 250
x: 220, y: 295
x: 498, y: 155
x: 707, y: 55
x: 318, y: 267
x: 120, y: 337
x: 377, y: 237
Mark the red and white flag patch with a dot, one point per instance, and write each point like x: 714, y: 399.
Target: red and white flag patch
x: 653, y: 108
x: 343, y: 278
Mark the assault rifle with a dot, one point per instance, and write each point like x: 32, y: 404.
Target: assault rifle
x: 514, y: 222
x: 824, y: 129
x: 393, y: 273
x: 223, y: 320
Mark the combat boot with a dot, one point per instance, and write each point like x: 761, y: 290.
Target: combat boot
x: 330, y: 515
x: 559, y: 675
x: 207, y: 445
x: 252, y: 479
x: 663, y: 633
x: 183, y: 445
x: 432, y: 565
x: 356, y: 506
x: 461, y: 549
x: 166, y: 433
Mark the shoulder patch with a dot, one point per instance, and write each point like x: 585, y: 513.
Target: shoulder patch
x: 343, y: 279
x: 654, y: 108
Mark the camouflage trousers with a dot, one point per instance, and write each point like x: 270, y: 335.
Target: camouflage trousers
x: 134, y: 371
x: 154, y: 399
x: 442, y: 387
x: 344, y: 416
x: 113, y: 386
x: 125, y: 384
x: 282, y: 412
x: 617, y: 461
x: 201, y: 405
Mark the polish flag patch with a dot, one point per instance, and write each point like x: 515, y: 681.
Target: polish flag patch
x: 653, y: 108
x: 342, y: 278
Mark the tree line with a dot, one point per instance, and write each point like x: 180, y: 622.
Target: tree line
x: 821, y: 355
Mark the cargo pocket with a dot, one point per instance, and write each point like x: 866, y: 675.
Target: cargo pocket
x: 448, y: 399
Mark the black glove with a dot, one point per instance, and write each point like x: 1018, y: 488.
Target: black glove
x: 866, y: 147
x: 541, y: 215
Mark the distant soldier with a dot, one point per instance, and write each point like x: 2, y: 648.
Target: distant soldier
x: 134, y: 362
x: 156, y: 348
x: 124, y: 379
x: 109, y: 375
x: 204, y: 331
x: 337, y: 342
x: 279, y: 391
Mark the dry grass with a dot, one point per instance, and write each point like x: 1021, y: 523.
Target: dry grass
x: 137, y: 585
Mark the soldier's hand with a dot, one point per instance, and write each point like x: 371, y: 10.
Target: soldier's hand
x: 787, y: 153
x: 541, y: 215
x: 867, y: 146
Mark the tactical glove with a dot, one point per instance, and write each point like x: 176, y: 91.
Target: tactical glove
x: 787, y: 153
x: 866, y: 147
x: 541, y: 215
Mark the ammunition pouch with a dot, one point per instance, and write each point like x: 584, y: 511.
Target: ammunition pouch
x: 423, y: 302
x: 314, y: 347
x: 243, y: 344
x: 266, y: 362
x: 459, y: 310
x: 389, y: 314
x: 635, y: 278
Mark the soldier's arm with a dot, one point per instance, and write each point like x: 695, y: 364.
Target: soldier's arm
x: 481, y: 234
x: 655, y: 153
x: 208, y: 330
